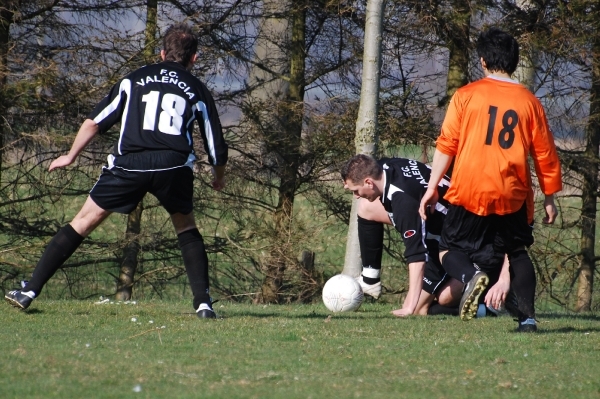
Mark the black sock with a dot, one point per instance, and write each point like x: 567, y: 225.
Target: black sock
x: 436, y: 309
x: 370, y: 240
x: 522, y: 283
x: 195, y: 260
x: 458, y: 265
x: 58, y: 250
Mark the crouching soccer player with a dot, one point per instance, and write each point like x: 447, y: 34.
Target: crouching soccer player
x: 398, y: 184
x: 439, y: 289
x: 156, y: 106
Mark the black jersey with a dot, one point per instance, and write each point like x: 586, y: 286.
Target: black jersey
x: 405, y: 184
x: 156, y: 106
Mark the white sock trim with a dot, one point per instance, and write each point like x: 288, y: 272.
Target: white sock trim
x: 30, y: 294
x: 370, y: 272
x: 528, y: 321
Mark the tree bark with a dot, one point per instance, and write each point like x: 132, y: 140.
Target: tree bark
x: 134, y: 219
x: 281, y: 50
x: 587, y: 267
x: 366, y: 138
x: 458, y: 44
x: 131, y: 252
x: 6, y: 19
x: 290, y: 153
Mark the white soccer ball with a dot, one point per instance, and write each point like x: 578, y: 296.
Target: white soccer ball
x: 342, y: 293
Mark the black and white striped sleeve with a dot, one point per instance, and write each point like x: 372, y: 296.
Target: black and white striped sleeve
x: 211, y: 130
x: 110, y: 110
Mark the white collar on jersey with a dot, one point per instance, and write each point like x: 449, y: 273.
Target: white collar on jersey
x: 502, y: 79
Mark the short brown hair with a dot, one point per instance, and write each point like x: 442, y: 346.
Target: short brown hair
x: 180, y: 44
x: 359, y: 167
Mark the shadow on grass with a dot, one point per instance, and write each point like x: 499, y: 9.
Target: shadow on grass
x: 312, y: 315
x: 31, y: 311
x: 585, y: 316
x: 566, y: 330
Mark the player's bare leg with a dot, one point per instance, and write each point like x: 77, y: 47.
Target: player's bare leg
x: 88, y: 218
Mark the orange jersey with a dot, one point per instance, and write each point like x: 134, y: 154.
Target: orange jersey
x: 491, y: 127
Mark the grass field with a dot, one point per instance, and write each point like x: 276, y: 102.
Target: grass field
x: 159, y: 349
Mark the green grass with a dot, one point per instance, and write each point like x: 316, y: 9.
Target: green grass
x: 77, y: 349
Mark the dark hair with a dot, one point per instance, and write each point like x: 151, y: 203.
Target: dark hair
x: 359, y: 167
x: 180, y: 44
x: 499, y: 50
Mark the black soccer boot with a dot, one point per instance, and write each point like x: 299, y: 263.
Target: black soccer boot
x: 205, y: 310
x: 19, y: 299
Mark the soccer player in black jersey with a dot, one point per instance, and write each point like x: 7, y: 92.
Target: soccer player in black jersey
x: 393, y: 188
x: 156, y: 107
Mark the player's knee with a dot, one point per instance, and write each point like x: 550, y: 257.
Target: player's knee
x: 362, y: 209
x: 451, y: 293
x: 183, y: 222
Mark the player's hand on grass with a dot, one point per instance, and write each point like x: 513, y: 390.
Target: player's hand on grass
x: 428, y: 202
x: 550, y: 208
x: 402, y: 312
x: 497, y: 294
x: 61, y: 162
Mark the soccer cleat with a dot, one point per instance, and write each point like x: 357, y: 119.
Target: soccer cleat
x: 469, y: 303
x: 20, y: 299
x: 373, y: 290
x: 527, y: 325
x: 205, y: 311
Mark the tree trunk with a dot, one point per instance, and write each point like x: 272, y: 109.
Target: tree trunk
x: 277, y: 81
x: 457, y: 41
x: 6, y: 19
x: 134, y: 219
x: 366, y: 138
x: 150, y: 31
x: 585, y: 283
x: 292, y: 110
x: 525, y: 72
x: 130, y: 255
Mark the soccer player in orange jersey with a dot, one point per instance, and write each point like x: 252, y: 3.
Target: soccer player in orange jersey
x: 491, y: 128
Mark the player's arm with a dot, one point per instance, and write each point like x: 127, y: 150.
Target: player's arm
x: 415, y: 285
x: 425, y: 301
x: 498, y: 292
x: 546, y: 162
x: 439, y: 167
x: 86, y: 133
x: 446, y: 149
x: 212, y: 132
x: 409, y: 224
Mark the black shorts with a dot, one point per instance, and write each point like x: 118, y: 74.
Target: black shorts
x: 470, y: 233
x: 434, y: 276
x: 487, y: 259
x: 119, y: 190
